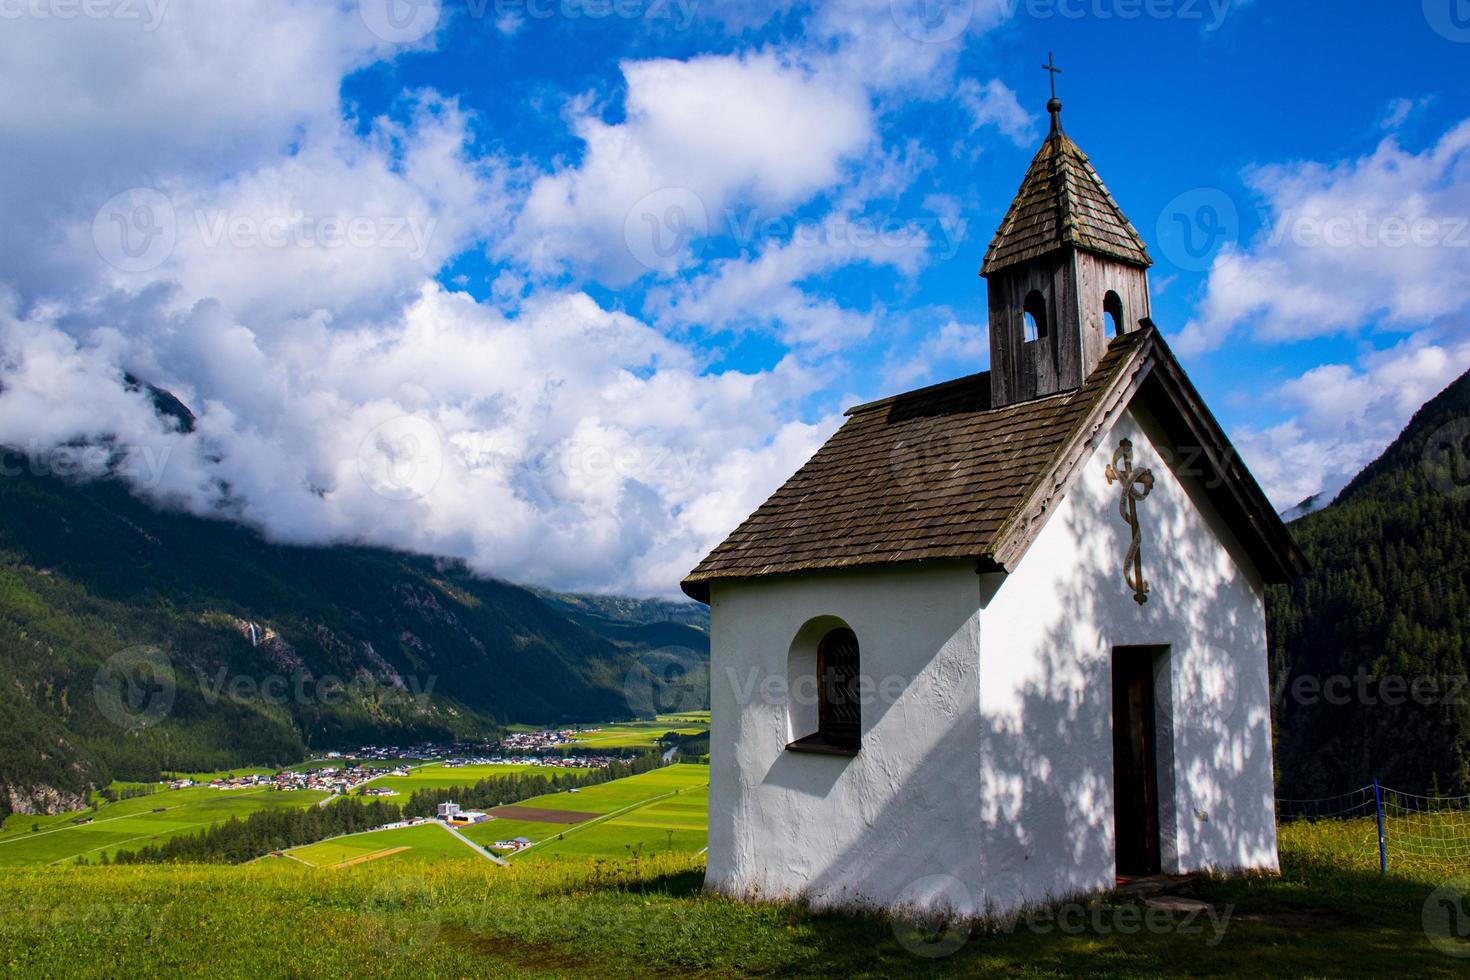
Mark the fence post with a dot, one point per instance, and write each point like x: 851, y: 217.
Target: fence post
x: 1378, y: 811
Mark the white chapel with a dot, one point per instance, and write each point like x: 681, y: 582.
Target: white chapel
x: 1003, y: 640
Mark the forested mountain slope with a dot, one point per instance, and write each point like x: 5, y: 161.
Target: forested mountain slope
x: 1369, y: 651
x: 269, y: 650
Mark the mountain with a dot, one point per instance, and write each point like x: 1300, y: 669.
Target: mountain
x: 1371, y: 650
x: 135, y: 640
x: 1310, y: 505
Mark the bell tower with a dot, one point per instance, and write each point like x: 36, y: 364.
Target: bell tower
x: 1065, y: 272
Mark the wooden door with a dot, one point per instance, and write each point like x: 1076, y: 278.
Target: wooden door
x: 1135, y: 771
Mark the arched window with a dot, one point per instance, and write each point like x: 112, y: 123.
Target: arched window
x: 1034, y: 314
x: 824, y: 703
x: 1113, y: 313
x: 839, y: 713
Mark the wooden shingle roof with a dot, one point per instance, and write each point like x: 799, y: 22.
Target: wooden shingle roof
x: 1063, y: 203
x: 939, y: 474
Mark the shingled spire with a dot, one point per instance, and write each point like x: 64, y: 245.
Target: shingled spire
x: 1064, y: 263
x: 1063, y: 203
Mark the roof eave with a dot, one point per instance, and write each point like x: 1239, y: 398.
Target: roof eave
x: 1229, y: 484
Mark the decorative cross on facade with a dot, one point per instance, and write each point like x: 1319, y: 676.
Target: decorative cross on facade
x: 1051, y: 66
x: 1136, y: 485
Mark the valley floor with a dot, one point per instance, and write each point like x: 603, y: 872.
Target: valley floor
x: 1327, y: 915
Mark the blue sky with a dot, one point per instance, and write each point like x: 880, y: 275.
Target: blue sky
x: 505, y: 365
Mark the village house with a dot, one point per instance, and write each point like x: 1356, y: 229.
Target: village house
x: 1002, y: 640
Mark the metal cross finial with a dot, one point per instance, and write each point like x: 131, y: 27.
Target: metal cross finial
x: 1051, y: 66
x: 1137, y: 483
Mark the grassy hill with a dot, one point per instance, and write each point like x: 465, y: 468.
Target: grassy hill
x: 1371, y: 650
x: 1327, y: 915
x: 219, y: 648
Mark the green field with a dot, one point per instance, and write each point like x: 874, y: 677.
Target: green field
x: 657, y: 811
x: 1327, y: 915
x: 642, y: 734
x: 204, y: 777
x: 673, y: 825
x: 131, y: 824
x: 425, y: 842
x: 438, y: 776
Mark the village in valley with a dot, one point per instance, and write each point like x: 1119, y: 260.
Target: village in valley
x: 574, y: 816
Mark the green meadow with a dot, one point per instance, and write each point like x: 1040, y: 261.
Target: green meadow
x: 440, y: 776
x: 134, y: 823
x: 1326, y: 915
x: 672, y: 825
x: 642, y: 734
x: 662, y: 810
x: 424, y: 842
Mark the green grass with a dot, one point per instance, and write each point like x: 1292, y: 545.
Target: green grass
x: 204, y: 777
x: 131, y: 824
x: 607, y: 797
x: 437, y: 776
x: 425, y: 842
x: 486, y: 833
x: 675, y: 824
x: 650, y: 916
x: 674, y: 798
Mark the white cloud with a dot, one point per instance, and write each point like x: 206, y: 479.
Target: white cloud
x: 569, y: 445
x: 1398, y: 111
x: 699, y: 135
x: 959, y: 348
x: 94, y: 106
x: 1385, y: 237
x: 995, y: 104
x: 1346, y: 415
x: 341, y: 393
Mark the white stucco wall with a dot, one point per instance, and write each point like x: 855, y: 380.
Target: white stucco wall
x: 846, y: 830
x: 985, y: 777
x: 1048, y: 636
